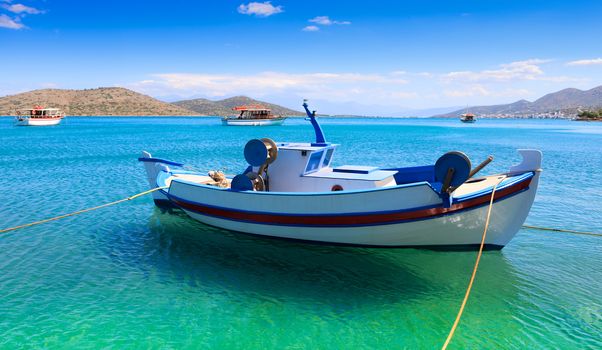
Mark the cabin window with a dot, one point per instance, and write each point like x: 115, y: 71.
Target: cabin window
x: 328, y: 157
x: 314, y: 162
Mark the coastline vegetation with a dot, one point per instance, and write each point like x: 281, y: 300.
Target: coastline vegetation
x: 590, y: 115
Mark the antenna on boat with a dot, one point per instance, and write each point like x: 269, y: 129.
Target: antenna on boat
x: 311, y: 116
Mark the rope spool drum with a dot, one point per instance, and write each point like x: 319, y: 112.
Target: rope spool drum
x: 452, y: 169
x: 258, y: 153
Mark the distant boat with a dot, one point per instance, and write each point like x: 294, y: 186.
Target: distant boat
x: 468, y: 118
x: 39, y: 116
x: 253, y: 115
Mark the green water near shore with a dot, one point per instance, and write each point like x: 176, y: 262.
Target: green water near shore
x: 132, y: 276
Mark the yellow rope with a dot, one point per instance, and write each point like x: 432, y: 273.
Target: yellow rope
x: 82, y: 211
x: 474, y: 270
x: 561, y: 230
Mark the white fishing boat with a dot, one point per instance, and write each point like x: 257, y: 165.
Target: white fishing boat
x: 39, y: 116
x: 291, y: 190
x: 253, y: 115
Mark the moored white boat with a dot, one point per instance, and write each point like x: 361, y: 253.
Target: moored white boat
x: 253, y: 115
x: 39, y: 116
x: 252, y: 122
x: 290, y: 190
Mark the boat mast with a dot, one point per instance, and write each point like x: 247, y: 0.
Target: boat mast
x: 311, y: 116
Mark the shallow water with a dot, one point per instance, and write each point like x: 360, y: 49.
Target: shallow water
x: 132, y: 275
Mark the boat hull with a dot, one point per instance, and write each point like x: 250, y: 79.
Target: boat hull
x: 462, y: 230
x: 252, y: 122
x: 37, y: 121
x: 397, y: 217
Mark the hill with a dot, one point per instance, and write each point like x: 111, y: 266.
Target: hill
x: 101, y: 101
x: 203, y: 107
x: 224, y: 107
x: 565, y: 103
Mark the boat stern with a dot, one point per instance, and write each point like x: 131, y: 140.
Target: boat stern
x: 153, y: 167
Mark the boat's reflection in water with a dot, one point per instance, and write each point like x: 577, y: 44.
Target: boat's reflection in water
x: 183, y: 250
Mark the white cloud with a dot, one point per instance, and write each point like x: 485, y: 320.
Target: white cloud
x: 7, y: 22
x: 403, y: 95
x: 413, y: 74
x: 326, y: 21
x: 519, y: 70
x: 310, y: 29
x: 20, y: 8
x: 332, y: 86
x: 397, y: 88
x: 425, y: 74
x: 474, y: 90
x: 585, y: 62
x: 323, y: 20
x: 259, y: 9
x: 478, y: 90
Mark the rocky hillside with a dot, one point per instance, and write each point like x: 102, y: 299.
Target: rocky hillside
x: 224, y: 107
x: 563, y: 103
x: 101, y: 101
x: 204, y: 107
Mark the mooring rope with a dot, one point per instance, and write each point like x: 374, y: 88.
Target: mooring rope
x: 474, y: 270
x: 82, y: 211
x: 476, y: 265
x: 562, y: 230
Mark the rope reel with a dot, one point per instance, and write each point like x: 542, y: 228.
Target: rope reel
x: 454, y: 168
x: 258, y: 153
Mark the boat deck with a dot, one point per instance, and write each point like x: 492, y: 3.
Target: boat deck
x: 470, y: 187
x: 477, y: 184
x: 196, y: 178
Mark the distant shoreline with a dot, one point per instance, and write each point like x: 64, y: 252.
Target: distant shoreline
x: 321, y: 117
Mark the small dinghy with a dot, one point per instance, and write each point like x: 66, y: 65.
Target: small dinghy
x: 290, y: 190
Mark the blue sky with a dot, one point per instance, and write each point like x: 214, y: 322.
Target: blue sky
x: 347, y: 57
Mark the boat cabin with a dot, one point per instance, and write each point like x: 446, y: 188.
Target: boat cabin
x: 254, y: 112
x: 303, y: 167
x: 40, y: 112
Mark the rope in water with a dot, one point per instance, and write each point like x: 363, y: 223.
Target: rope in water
x: 81, y: 211
x: 474, y: 270
x: 562, y: 230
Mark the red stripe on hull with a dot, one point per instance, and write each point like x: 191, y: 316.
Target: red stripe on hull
x: 346, y: 219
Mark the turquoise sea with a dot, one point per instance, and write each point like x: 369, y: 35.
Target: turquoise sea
x: 133, y: 276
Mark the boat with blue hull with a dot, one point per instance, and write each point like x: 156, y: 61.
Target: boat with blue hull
x: 291, y: 190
